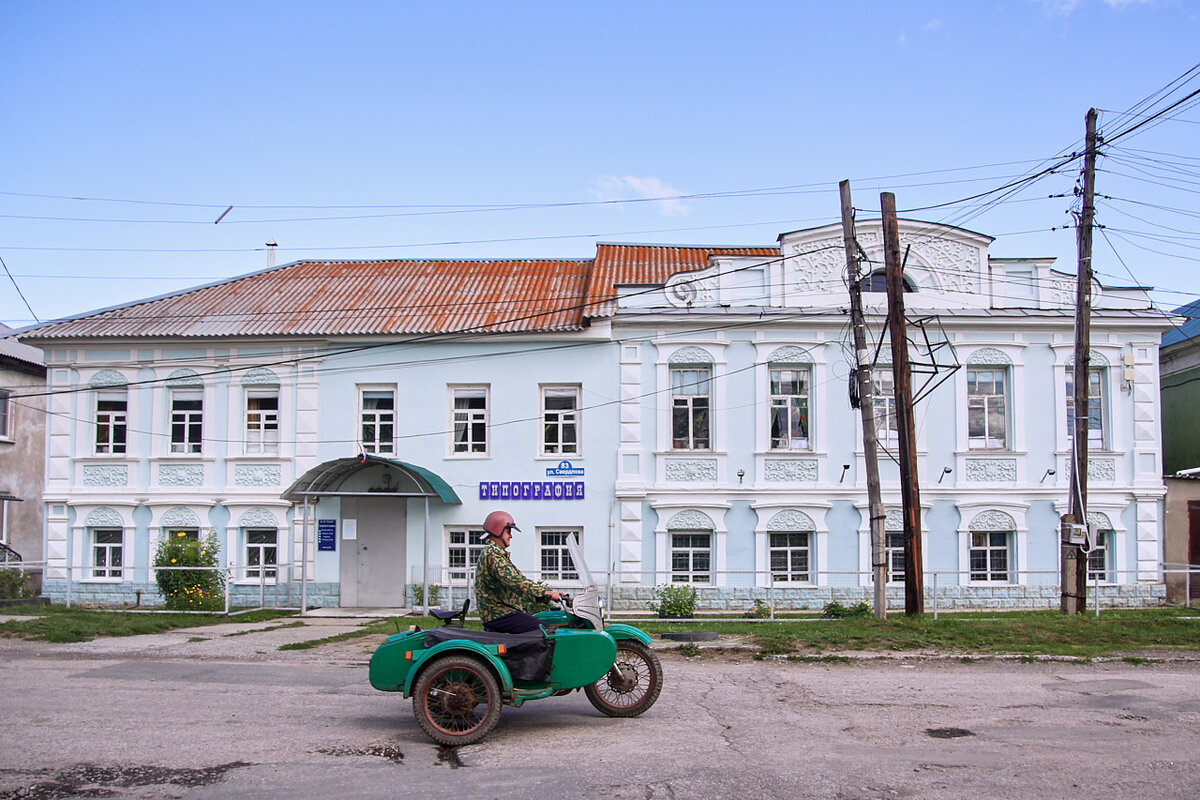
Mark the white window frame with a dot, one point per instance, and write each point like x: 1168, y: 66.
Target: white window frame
x: 6, y: 407
x: 894, y: 554
x: 790, y: 575
x: 106, y: 572
x: 1104, y: 552
x: 257, y: 570
x: 110, y: 421
x: 682, y: 377
x: 190, y: 421
x: 1098, y: 438
x: 378, y: 420
x: 989, y: 548
x: 463, y: 548
x: 987, y: 403
x: 474, y: 424
x: 785, y: 404
x: 561, y: 421
x: 887, y: 425
x: 554, y: 560
x: 693, y: 575
x: 260, y: 429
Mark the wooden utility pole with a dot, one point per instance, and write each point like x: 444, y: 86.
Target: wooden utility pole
x: 914, y: 590
x: 866, y: 405
x: 1074, y: 559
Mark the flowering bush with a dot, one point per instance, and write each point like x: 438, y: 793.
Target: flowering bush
x: 189, y: 589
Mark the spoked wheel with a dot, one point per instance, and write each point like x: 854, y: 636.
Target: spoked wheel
x: 456, y: 700
x: 632, y: 685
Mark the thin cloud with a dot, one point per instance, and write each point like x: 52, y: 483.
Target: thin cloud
x: 612, y: 187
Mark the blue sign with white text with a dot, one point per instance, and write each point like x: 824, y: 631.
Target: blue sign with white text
x: 326, y: 534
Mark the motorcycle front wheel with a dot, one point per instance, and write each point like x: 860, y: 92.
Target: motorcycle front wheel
x: 632, y: 685
x: 456, y: 700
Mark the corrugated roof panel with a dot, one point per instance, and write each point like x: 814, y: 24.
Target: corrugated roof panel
x: 327, y: 298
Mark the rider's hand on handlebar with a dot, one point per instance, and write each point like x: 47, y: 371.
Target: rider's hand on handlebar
x: 553, y: 595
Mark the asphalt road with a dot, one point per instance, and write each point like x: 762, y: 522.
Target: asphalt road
x: 203, y: 714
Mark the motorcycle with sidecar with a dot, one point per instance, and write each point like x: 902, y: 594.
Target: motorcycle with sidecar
x: 459, y: 678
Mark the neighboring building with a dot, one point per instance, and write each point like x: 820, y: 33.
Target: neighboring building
x: 1179, y: 361
x: 1181, y: 549
x: 22, y: 450
x: 681, y: 409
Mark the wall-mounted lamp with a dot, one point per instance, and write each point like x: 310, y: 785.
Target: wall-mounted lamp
x: 741, y: 473
x: 845, y: 468
x: 1049, y: 472
x: 945, y: 471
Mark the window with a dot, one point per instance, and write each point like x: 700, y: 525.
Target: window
x: 187, y: 534
x: 261, y: 554
x: 789, y: 408
x: 1099, y: 559
x: 112, y: 409
x: 187, y: 420
x: 1095, y: 407
x: 556, y: 560
x: 791, y: 557
x: 4, y: 412
x: 689, y: 408
x: 887, y: 430
x: 894, y: 553
x: 463, y: 554
x: 987, y: 415
x: 877, y: 282
x: 378, y: 421
x: 107, y: 552
x: 262, y: 421
x: 560, y: 420
x: 989, y: 556
x: 470, y: 421
x: 691, y: 557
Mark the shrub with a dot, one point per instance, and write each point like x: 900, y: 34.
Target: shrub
x: 674, y: 600
x: 836, y: 610
x: 201, y: 589
x: 760, y: 611
x: 418, y: 590
x: 15, y: 585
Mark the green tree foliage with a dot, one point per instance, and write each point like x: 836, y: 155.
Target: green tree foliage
x: 201, y: 589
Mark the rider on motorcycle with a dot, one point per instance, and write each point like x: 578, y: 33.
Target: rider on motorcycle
x: 502, y: 593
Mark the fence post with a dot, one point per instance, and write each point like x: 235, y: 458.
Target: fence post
x: 1187, y: 587
x: 935, y: 594
x: 1096, y: 591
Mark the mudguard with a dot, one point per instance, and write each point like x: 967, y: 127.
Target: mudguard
x: 484, y: 652
x: 619, y: 631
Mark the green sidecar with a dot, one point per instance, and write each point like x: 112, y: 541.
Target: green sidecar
x: 459, y: 678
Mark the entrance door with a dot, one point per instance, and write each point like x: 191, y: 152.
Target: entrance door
x: 373, y: 563
x: 1194, y: 545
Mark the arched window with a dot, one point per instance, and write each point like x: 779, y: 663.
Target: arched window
x: 877, y: 282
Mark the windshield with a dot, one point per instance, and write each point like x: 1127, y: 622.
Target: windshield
x: 580, y: 565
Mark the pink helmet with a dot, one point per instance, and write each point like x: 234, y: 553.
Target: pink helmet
x: 497, y: 522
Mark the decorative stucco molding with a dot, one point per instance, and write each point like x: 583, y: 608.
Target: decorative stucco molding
x: 698, y: 469
x: 257, y: 517
x: 260, y: 376
x: 104, y: 517
x: 107, y: 377
x: 990, y: 357
x: 1100, y: 520
x: 184, y: 377
x: 179, y: 517
x: 691, y: 355
x: 790, y: 469
x: 691, y: 520
x: 1095, y: 359
x: 257, y: 475
x: 180, y: 474
x: 791, y: 519
x: 992, y: 521
x: 1102, y: 469
x: 991, y: 469
x: 105, y: 475
x: 790, y: 354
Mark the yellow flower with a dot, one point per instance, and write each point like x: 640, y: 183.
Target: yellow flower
x: 181, y: 533
x: 172, y: 561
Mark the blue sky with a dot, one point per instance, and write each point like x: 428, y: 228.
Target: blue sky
x: 503, y: 129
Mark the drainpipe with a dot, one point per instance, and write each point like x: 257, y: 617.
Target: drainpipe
x: 304, y: 559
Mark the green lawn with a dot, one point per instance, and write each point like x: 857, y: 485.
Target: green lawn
x: 60, y: 624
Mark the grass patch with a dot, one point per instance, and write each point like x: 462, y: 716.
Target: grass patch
x: 383, y: 627
x: 297, y: 624
x: 1031, y: 633
x: 65, y: 625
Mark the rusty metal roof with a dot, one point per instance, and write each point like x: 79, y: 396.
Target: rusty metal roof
x: 650, y: 265
x: 325, y: 298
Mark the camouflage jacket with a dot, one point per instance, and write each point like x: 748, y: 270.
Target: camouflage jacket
x: 500, y: 588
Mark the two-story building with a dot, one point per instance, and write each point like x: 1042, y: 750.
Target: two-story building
x: 682, y: 410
